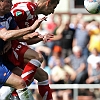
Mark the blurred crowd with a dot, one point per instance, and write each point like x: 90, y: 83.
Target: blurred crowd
x: 73, y: 55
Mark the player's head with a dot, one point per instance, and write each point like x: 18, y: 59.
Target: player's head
x: 47, y: 6
x: 5, y: 6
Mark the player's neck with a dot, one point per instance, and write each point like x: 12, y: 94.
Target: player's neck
x: 40, y: 8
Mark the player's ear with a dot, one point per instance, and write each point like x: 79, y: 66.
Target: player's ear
x: 47, y: 2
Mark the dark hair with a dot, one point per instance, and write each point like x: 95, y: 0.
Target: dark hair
x: 53, y: 1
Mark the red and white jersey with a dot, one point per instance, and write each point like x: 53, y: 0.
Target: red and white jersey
x: 24, y: 13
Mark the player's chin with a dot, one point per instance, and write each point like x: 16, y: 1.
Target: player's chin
x: 52, y: 12
x: 7, y: 11
x: 49, y: 13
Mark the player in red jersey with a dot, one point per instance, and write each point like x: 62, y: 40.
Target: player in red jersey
x: 25, y: 14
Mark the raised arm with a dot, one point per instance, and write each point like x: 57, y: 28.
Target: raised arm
x: 13, y: 34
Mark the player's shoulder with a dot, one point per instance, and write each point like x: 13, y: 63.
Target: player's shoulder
x: 21, y: 8
x: 23, y: 5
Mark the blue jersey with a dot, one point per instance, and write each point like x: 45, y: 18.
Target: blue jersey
x: 9, y: 23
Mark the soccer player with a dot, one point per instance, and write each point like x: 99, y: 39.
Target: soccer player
x: 25, y: 14
x: 8, y: 33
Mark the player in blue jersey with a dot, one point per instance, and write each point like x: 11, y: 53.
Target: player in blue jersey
x: 8, y: 33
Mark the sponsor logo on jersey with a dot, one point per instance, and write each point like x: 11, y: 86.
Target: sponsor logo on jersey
x: 18, y: 13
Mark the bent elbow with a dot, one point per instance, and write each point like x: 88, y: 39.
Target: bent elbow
x: 4, y: 38
x: 5, y: 34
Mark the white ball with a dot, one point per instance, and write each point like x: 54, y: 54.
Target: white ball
x: 92, y: 6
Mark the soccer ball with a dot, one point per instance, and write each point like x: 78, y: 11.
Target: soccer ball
x: 92, y: 6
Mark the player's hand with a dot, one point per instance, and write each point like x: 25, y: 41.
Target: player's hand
x: 40, y: 36
x: 6, y: 47
x: 47, y: 37
x: 31, y: 35
x: 38, y: 22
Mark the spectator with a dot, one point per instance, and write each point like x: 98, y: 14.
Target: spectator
x: 94, y: 33
x: 78, y: 62
x: 60, y: 76
x: 82, y: 38
x: 93, y: 67
x: 76, y: 22
x: 65, y: 34
x: 56, y: 55
x: 51, y: 25
x: 67, y: 39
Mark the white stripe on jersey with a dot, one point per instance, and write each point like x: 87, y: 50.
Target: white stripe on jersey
x: 22, y: 6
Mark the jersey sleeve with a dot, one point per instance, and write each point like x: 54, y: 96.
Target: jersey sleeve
x: 23, y: 11
x: 1, y: 26
x: 19, y: 14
